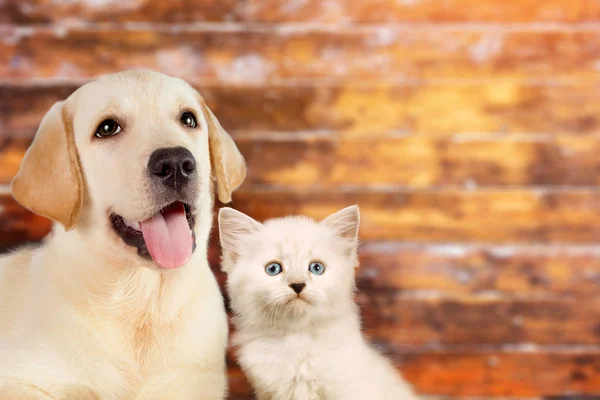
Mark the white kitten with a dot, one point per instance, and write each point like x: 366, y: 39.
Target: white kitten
x: 291, y: 284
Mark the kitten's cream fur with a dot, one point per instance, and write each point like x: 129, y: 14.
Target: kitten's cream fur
x: 307, y: 346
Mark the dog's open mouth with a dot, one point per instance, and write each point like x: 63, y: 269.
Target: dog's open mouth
x: 167, y: 237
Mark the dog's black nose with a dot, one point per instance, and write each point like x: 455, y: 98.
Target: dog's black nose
x: 297, y: 287
x: 174, y: 167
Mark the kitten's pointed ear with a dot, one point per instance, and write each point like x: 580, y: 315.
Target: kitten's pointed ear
x: 345, y: 223
x: 234, y: 227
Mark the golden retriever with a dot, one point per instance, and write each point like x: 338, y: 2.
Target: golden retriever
x: 119, y: 301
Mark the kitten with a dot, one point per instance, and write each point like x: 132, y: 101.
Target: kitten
x: 291, y: 285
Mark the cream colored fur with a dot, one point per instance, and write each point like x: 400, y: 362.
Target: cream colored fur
x: 83, y: 316
x: 307, y: 346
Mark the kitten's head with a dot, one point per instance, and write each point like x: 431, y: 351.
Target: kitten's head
x: 289, y: 268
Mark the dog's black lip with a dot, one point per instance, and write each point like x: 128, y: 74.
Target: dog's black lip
x: 134, y: 238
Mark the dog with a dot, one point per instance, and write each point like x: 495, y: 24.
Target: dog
x: 119, y: 301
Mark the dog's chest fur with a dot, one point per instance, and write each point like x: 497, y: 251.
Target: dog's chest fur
x: 153, y: 346
x: 115, y: 347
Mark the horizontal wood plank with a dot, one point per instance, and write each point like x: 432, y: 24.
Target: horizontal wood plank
x: 423, y: 11
x: 493, y: 216
x: 363, y: 110
x: 487, y: 216
x: 273, y: 11
x: 412, y: 161
x: 242, y: 54
x: 527, y: 373
x: 63, y: 12
x: 457, y: 270
x: 415, y: 161
x: 403, y: 321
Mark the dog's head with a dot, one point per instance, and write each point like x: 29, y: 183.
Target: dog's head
x: 134, y: 153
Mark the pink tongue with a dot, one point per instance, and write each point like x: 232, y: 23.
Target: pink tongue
x: 168, y: 237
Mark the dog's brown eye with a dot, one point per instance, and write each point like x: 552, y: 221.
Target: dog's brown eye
x: 108, y: 127
x: 188, y: 119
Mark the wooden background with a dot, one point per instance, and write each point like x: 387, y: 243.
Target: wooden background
x: 467, y: 130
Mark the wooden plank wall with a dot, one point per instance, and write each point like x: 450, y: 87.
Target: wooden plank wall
x: 467, y: 130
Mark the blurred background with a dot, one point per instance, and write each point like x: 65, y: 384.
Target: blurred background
x: 468, y: 131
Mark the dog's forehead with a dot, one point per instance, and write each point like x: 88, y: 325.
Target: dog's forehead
x: 132, y: 92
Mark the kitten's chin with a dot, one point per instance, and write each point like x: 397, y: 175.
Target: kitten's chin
x: 298, y: 305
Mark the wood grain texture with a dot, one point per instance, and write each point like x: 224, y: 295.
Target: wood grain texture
x: 423, y: 11
x: 12, y: 152
x: 525, y: 373
x: 357, y: 109
x: 492, y: 216
x: 417, y: 161
x: 19, y: 226
x: 267, y: 55
x: 239, y: 388
x: 273, y: 11
x: 413, y: 161
x: 180, y: 11
x: 404, y: 320
x: 487, y: 216
x: 462, y: 270
x: 22, y: 108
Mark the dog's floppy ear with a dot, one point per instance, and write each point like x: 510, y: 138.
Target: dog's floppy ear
x: 227, y: 162
x: 49, y: 181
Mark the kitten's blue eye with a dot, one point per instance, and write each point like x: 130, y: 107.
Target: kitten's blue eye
x: 316, y: 268
x: 273, y: 269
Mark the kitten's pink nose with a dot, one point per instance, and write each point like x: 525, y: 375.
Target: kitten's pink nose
x: 297, y: 287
